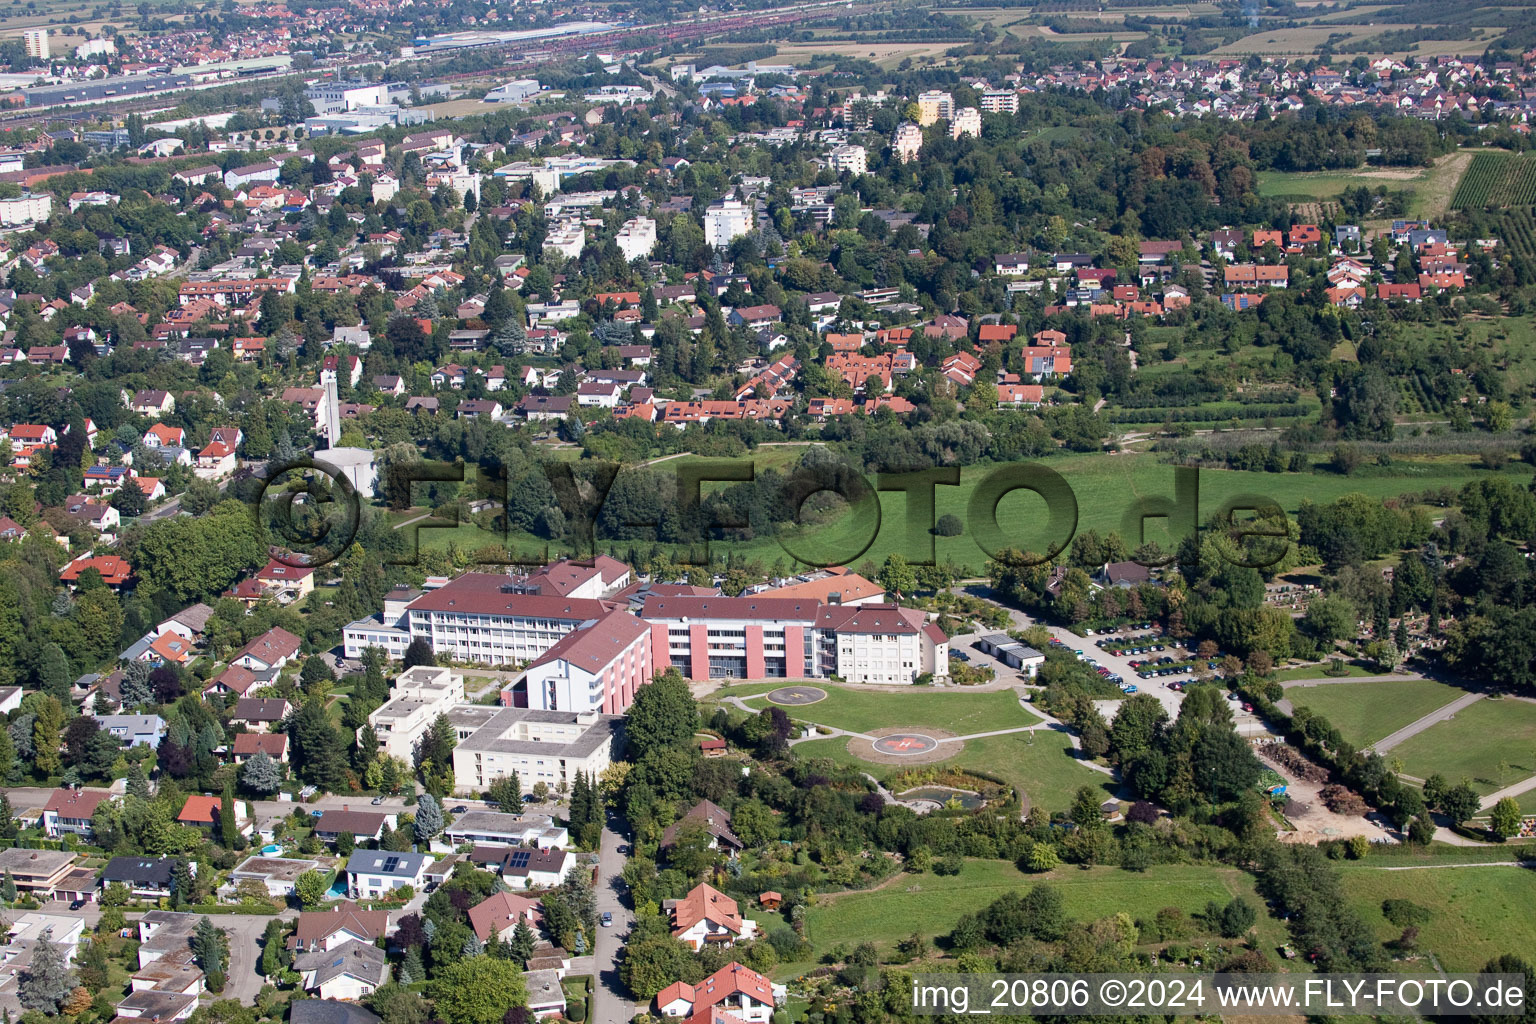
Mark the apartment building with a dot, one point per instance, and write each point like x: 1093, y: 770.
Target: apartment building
x: 726, y: 220
x: 852, y: 159
x: 967, y: 121
x: 1000, y: 101
x: 540, y: 746
x: 907, y: 142
x: 636, y: 238
x: 419, y: 695
x: 934, y: 106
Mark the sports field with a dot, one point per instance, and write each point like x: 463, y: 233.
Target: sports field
x: 1366, y: 712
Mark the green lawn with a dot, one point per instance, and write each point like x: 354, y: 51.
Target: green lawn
x: 1473, y: 744
x: 957, y: 712
x: 1040, y: 764
x: 1477, y: 913
x: 1316, y: 672
x: 1105, y: 488
x: 931, y: 904
x: 1366, y: 712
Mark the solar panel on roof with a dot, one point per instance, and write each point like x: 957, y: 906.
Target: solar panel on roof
x: 390, y: 863
x: 519, y: 859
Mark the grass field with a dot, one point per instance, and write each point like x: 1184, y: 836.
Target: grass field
x: 1366, y: 712
x: 958, y: 713
x: 1431, y: 188
x: 1477, y: 913
x: 1316, y: 672
x: 1106, y: 488
x: 931, y: 904
x: 1042, y: 765
x: 1474, y: 744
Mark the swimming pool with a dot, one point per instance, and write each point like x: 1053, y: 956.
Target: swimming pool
x: 270, y: 849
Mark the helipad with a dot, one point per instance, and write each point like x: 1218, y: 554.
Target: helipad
x: 906, y: 744
x: 797, y: 696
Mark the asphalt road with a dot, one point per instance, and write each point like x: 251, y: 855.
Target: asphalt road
x: 611, y: 1002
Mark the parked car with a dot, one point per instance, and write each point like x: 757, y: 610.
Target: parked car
x: 316, y: 814
x: 607, y: 919
x: 377, y: 800
x: 459, y: 810
x: 960, y: 656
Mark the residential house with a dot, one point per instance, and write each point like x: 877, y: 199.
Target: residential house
x: 351, y: 971
x: 70, y: 811
x: 372, y: 874
x: 707, y: 915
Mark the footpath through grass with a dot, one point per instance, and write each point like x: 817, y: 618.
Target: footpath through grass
x: 1475, y: 744
x: 1476, y: 913
x: 1366, y: 712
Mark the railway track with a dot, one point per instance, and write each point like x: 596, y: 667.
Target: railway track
x: 522, y: 54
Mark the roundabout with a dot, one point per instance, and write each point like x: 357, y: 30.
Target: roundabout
x: 796, y: 696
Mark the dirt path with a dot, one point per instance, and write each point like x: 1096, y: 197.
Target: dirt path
x: 1439, y: 186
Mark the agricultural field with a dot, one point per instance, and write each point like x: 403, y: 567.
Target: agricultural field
x: 1298, y: 41
x: 1497, y: 179
x: 865, y: 710
x: 887, y: 55
x: 1476, y: 913
x: 1491, y: 744
x: 1366, y: 712
x: 930, y: 905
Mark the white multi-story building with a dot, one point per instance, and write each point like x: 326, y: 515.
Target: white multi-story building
x: 419, y: 695
x: 595, y: 668
x: 907, y: 142
x: 339, y: 97
x: 1000, y: 101
x: 726, y: 220
x: 934, y: 106
x: 636, y: 238
x: 27, y: 208
x: 493, y: 619
x: 540, y: 746
x: 852, y: 159
x: 967, y: 121
x: 568, y: 239
x: 36, y: 41
x: 879, y: 644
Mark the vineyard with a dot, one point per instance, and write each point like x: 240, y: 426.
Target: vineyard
x: 1517, y: 230
x: 1497, y: 179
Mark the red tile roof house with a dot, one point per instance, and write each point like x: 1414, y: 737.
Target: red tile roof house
x: 273, y: 744
x: 707, y: 915
x: 200, y: 812
x: 734, y: 990
x: 324, y: 930
x: 70, y: 810
x: 273, y: 649
x: 499, y: 914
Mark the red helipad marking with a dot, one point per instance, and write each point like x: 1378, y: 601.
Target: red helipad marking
x: 907, y: 743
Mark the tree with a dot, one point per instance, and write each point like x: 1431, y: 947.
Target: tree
x: 274, y: 953
x: 479, y: 990
x: 429, y: 818
x: 522, y: 942
x: 1505, y: 819
x: 506, y: 792
x: 210, y: 947
x: 1236, y: 918
x: 47, y: 980
x: 261, y: 773
x: 663, y: 715
x: 229, y: 834
x: 8, y: 887
x: 419, y: 653
x: 896, y: 575
x: 652, y: 964
x: 310, y: 888
x: 949, y: 525
x: 1460, y: 802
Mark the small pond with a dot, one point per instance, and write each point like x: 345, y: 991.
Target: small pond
x: 941, y: 795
